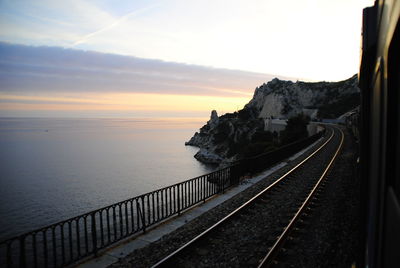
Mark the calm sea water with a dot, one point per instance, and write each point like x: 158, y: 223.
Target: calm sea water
x: 52, y: 169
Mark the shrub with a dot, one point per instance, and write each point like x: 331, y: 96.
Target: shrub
x: 262, y: 136
x: 254, y: 149
x: 222, y: 132
x: 296, y: 129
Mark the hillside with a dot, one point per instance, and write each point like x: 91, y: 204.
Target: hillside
x: 229, y: 137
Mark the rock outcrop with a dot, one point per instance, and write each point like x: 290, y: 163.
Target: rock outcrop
x: 224, y: 138
x: 219, y: 138
x: 284, y: 99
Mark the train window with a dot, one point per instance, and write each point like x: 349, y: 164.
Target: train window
x: 393, y: 127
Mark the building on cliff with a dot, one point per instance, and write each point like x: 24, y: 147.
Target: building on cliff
x: 274, y: 125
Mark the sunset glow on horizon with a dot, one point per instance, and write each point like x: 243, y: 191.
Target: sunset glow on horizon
x: 124, y: 102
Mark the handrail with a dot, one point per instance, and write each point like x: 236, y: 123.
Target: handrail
x: 73, y: 239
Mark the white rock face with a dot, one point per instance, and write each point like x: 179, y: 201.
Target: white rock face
x: 272, y: 107
x: 283, y: 99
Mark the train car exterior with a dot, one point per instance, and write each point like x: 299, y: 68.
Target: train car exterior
x: 379, y: 79
x: 352, y: 123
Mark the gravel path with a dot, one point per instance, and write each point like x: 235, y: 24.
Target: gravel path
x: 145, y: 257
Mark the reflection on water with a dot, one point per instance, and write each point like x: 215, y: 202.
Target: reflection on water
x: 52, y: 169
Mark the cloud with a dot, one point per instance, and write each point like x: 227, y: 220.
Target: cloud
x: 49, y: 22
x: 113, y: 24
x: 295, y: 38
x: 53, y: 81
x: 28, y: 69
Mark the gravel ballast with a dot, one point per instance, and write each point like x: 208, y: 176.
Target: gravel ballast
x: 330, y: 236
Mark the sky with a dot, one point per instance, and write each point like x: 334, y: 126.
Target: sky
x: 124, y: 58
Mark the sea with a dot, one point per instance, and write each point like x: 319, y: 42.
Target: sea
x: 54, y: 169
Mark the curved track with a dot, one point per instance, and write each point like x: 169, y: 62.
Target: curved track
x: 252, y: 234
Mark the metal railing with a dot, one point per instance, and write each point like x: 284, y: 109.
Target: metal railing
x: 68, y: 241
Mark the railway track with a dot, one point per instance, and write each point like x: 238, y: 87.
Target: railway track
x: 253, y: 234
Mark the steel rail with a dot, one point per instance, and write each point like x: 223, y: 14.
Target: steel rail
x: 268, y: 259
x: 165, y: 260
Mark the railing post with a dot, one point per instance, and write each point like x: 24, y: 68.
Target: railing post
x: 22, y: 257
x: 9, y: 258
x: 179, y: 199
x: 231, y: 175
x: 235, y: 170
x: 222, y: 178
x: 121, y: 223
x: 204, y: 188
x: 94, y: 233
x: 143, y: 214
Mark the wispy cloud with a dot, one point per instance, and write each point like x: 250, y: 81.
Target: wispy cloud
x: 50, y: 69
x: 114, y: 24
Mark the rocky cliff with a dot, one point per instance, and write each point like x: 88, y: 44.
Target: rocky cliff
x: 228, y: 137
x: 284, y: 99
x: 222, y: 136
